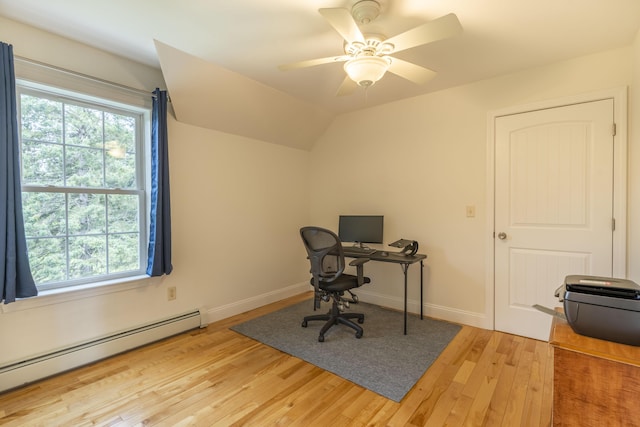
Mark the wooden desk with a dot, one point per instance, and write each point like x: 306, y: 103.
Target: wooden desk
x: 595, y: 382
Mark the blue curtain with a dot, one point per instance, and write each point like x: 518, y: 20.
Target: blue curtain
x: 17, y: 281
x: 159, y: 261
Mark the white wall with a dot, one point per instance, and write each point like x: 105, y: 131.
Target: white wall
x: 633, y: 253
x: 237, y: 204
x: 421, y: 161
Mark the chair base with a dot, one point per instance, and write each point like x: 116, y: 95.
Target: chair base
x: 334, y: 317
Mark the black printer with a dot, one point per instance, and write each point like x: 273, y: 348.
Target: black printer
x: 602, y: 307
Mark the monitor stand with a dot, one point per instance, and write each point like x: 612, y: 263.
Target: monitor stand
x: 361, y: 245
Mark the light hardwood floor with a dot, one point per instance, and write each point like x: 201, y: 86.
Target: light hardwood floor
x: 216, y: 377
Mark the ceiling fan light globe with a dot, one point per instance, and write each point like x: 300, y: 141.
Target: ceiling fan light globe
x: 366, y: 70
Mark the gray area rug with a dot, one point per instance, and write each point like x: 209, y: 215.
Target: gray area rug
x: 384, y: 360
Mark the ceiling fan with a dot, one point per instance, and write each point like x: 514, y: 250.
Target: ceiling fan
x: 367, y: 56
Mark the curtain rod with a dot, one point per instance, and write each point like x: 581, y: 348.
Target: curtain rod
x: 85, y: 76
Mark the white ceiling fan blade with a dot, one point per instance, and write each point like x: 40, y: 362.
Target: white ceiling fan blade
x: 347, y: 87
x: 412, y: 72
x: 312, y: 62
x: 342, y: 21
x: 444, y: 27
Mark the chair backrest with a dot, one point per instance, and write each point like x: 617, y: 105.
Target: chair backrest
x: 324, y: 251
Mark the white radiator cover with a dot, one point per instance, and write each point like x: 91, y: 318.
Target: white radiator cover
x: 39, y: 367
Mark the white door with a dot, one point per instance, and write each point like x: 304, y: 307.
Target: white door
x: 553, y: 208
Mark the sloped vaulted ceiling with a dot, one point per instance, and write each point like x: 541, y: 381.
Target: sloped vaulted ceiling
x: 235, y: 48
x: 207, y: 95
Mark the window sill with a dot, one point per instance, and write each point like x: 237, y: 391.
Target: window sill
x: 73, y: 293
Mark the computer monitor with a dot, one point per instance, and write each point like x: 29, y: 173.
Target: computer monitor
x: 361, y: 228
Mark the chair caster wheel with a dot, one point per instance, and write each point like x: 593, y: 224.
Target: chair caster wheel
x: 321, y: 338
x: 304, y: 323
x: 358, y: 335
x: 361, y: 321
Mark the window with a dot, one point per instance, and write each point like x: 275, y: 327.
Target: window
x: 83, y: 186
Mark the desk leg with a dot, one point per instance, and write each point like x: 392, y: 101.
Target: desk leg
x: 405, y: 267
x: 421, y: 275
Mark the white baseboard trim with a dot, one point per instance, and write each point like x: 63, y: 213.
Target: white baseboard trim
x: 225, y: 311
x: 449, y: 314
x: 29, y: 370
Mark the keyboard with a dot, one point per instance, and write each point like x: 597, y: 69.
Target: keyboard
x: 354, y: 250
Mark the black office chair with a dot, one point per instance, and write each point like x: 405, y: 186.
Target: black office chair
x: 329, y: 280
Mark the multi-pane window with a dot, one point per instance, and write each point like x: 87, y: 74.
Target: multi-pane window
x: 82, y: 188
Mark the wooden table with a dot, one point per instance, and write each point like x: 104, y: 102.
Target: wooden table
x: 595, y: 382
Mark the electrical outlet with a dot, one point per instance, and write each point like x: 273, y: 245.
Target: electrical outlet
x: 171, y: 293
x: 471, y: 211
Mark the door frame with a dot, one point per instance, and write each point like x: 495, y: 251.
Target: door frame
x: 619, y: 96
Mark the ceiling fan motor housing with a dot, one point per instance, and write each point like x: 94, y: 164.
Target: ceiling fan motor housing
x: 365, y: 11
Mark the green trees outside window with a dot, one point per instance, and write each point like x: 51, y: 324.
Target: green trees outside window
x: 83, y: 191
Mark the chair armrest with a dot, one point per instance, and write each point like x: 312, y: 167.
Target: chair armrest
x: 359, y: 264
x: 358, y: 261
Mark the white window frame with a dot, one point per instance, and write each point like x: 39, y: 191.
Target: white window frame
x: 52, y: 82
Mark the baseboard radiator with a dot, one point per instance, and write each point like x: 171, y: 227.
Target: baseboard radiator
x: 36, y: 368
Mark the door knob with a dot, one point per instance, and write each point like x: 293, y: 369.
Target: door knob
x: 502, y: 235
